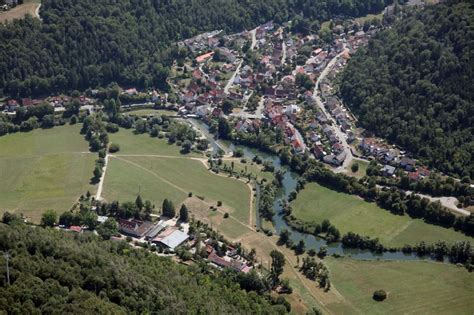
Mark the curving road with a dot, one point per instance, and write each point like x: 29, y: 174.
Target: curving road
x: 338, y: 132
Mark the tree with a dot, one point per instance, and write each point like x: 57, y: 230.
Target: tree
x: 224, y: 129
x: 139, y: 202
x: 186, y: 147
x: 168, y: 209
x: 300, y: 248
x: 49, y: 218
x: 354, y: 167
x: 379, y: 295
x: 114, y: 147
x: 183, y: 213
x: 278, y: 262
x: 108, y: 228
x: 66, y: 218
x: 90, y: 220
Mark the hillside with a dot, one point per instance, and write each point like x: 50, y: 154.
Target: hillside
x: 81, y: 44
x: 413, y: 86
x: 57, y: 272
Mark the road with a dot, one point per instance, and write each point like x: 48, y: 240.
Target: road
x: 447, y: 202
x: 237, y: 70
x: 342, y: 136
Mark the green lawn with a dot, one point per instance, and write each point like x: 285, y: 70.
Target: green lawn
x: 159, y: 178
x: 44, y: 169
x: 362, y: 168
x: 131, y: 143
x: 349, y: 213
x: 413, y: 287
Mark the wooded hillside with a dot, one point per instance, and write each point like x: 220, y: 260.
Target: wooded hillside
x: 413, y: 85
x: 56, y: 272
x: 81, y: 44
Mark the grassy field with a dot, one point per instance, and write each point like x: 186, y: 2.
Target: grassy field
x: 44, y: 169
x: 349, y: 213
x: 249, y: 167
x: 18, y: 12
x: 362, y: 168
x: 150, y: 111
x: 159, y: 178
x: 144, y: 144
x: 413, y: 287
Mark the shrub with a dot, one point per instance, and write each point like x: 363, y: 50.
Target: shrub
x: 355, y: 167
x: 219, y: 203
x: 226, y: 215
x: 379, y: 295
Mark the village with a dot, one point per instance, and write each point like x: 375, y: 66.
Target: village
x: 270, y: 77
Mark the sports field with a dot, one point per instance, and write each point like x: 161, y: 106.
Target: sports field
x: 351, y: 214
x: 413, y: 287
x: 157, y: 178
x: 44, y: 169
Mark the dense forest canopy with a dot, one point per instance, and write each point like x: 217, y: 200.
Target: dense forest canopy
x: 81, y: 44
x: 413, y: 85
x: 56, y: 272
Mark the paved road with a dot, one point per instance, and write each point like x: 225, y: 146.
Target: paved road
x: 98, y: 195
x: 237, y: 70
x: 335, y: 127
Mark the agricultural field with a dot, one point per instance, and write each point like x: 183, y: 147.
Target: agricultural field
x: 28, y: 7
x: 351, y: 214
x: 44, y: 169
x: 422, y: 287
x: 157, y: 178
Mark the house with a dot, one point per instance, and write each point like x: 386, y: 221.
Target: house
x: 408, y: 164
x: 135, y: 228
x: 74, y: 228
x: 318, y: 152
x: 12, y: 105
x: 227, y: 262
x: 388, y: 170
x: 204, y: 57
x: 154, y: 231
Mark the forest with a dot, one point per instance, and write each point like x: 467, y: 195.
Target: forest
x: 413, y: 86
x: 58, y: 272
x: 82, y: 44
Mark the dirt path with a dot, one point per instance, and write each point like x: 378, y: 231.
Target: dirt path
x: 98, y: 195
x: 20, y: 11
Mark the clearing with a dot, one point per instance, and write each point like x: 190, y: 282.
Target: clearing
x: 351, y: 214
x: 421, y: 287
x: 44, y: 169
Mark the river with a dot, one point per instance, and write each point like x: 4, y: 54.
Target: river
x: 289, y: 185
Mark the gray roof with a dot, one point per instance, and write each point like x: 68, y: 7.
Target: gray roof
x: 174, y: 239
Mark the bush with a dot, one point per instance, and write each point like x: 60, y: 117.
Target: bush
x: 114, y: 148
x: 219, y: 203
x: 226, y: 215
x: 355, y: 167
x: 379, y: 295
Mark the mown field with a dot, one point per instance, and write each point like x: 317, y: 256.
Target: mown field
x: 44, y: 169
x: 351, y: 214
x: 158, y: 178
x: 413, y: 287
x: 144, y: 144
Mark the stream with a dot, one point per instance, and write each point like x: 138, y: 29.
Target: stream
x: 289, y: 185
